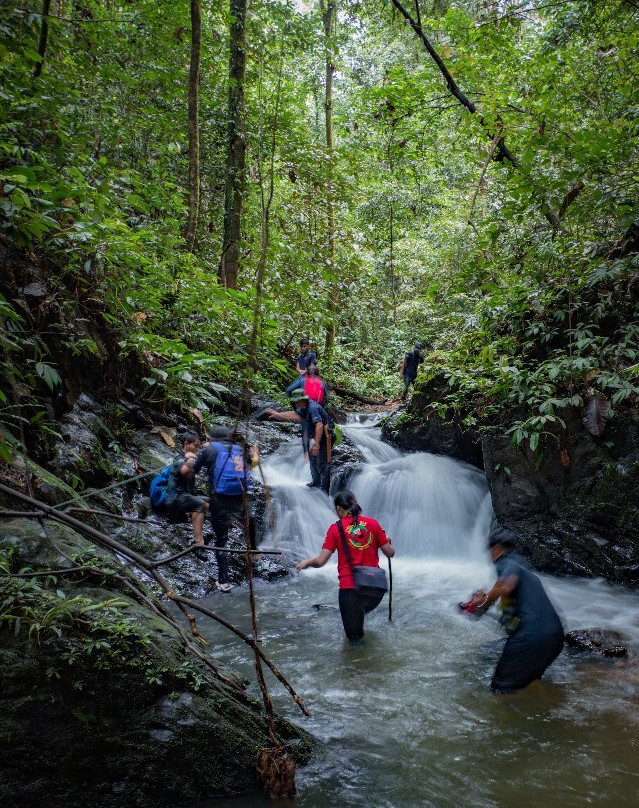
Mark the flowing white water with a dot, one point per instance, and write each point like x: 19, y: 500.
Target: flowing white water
x: 406, y: 720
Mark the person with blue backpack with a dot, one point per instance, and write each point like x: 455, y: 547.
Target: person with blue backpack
x: 228, y: 465
x: 173, y: 491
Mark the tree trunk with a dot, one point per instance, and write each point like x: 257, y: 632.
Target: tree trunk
x: 230, y: 260
x: 194, y: 125
x: 328, y: 18
x: 44, y: 36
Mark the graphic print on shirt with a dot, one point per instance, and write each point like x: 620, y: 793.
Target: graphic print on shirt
x: 359, y: 536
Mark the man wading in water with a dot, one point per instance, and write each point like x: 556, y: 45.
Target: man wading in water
x: 316, y: 424
x: 535, y: 633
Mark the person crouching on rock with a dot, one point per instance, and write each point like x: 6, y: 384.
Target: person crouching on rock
x: 357, y: 540
x: 316, y: 424
x: 182, y: 501
x: 535, y: 633
x: 228, y: 466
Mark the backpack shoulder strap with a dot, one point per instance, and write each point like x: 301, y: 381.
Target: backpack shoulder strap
x: 347, y: 549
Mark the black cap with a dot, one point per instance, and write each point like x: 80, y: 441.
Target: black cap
x: 221, y: 432
x: 503, y: 536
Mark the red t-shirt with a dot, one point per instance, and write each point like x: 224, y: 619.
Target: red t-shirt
x: 364, y: 540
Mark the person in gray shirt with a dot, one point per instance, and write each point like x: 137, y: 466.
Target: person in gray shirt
x: 535, y: 633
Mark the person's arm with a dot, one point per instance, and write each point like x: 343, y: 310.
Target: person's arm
x: 255, y: 455
x: 317, y: 437
x: 318, y: 561
x: 402, y: 369
x: 282, y: 416
x: 186, y: 469
x: 504, y: 587
x: 388, y: 549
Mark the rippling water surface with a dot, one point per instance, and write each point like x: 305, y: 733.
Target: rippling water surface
x: 406, y: 720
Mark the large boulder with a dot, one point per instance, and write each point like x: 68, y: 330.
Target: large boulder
x: 422, y: 427
x: 99, y: 702
x: 573, y: 503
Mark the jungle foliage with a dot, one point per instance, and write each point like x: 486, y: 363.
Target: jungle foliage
x: 506, y: 239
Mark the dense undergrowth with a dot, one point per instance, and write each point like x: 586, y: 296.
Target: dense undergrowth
x: 520, y: 276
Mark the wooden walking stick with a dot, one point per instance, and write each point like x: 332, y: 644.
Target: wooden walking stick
x: 390, y: 590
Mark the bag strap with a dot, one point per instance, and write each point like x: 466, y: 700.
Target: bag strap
x: 221, y: 472
x: 347, y: 550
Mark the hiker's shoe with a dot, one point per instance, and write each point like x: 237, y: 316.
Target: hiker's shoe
x: 223, y: 587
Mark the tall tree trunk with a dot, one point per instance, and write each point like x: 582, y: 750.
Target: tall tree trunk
x: 194, y: 125
x: 236, y: 158
x: 392, y: 262
x: 44, y: 36
x: 328, y: 17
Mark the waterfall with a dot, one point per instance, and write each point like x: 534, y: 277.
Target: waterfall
x: 430, y: 506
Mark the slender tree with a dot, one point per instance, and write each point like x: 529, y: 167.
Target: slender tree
x: 194, y: 125
x: 328, y: 9
x: 236, y: 155
x: 44, y: 37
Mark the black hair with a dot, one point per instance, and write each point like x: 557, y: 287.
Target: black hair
x: 503, y: 536
x: 189, y: 437
x: 347, y: 501
x: 312, y: 370
x: 221, y: 432
x: 304, y: 342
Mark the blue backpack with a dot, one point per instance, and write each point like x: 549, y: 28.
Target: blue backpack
x: 159, y: 488
x: 229, y: 476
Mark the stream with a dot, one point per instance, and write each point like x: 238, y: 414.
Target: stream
x: 405, y: 720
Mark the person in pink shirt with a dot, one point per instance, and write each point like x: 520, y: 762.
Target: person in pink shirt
x: 365, y: 537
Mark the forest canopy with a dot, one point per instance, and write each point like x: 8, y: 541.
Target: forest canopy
x: 212, y: 181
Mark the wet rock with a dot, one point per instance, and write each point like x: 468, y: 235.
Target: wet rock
x: 599, y: 641
x: 96, y: 715
x: 418, y: 427
x: 347, y: 461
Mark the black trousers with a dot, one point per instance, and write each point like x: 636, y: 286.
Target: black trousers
x: 353, y: 607
x: 320, y: 467
x: 524, y: 659
x: 223, y: 510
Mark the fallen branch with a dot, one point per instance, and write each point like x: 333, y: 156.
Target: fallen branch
x: 207, y: 547
x: 108, y: 514
x: 140, y: 561
x: 356, y: 396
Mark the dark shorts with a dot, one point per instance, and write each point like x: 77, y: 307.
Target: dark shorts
x: 183, y: 505
x: 354, y: 605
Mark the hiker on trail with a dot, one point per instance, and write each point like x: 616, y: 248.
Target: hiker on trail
x: 535, y: 633
x: 229, y: 476
x: 408, y: 369
x: 317, y: 426
x: 357, y: 540
x: 306, y: 358
x: 181, y: 500
x: 312, y: 384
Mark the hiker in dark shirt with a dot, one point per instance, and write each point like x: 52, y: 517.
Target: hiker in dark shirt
x: 182, y: 500
x: 228, y: 465
x: 317, y: 425
x: 312, y: 384
x: 408, y: 370
x: 306, y: 358
x: 535, y: 633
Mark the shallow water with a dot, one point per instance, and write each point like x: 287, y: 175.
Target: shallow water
x: 406, y: 719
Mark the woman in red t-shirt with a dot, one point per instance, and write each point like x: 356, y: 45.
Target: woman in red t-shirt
x: 365, y: 537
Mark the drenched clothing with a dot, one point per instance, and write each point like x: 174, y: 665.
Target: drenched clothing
x: 312, y: 415
x: 364, y: 540
x: 353, y: 607
x: 223, y: 510
x: 536, y: 635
